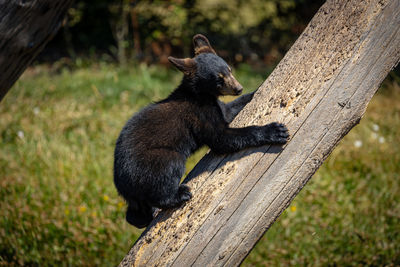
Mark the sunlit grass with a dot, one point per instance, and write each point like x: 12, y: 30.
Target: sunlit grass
x: 58, y: 204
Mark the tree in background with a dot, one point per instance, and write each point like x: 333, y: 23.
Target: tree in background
x: 151, y: 30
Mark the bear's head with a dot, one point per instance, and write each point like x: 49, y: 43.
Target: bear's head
x: 207, y: 71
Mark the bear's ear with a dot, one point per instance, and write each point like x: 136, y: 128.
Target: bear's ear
x: 186, y: 65
x: 202, y: 45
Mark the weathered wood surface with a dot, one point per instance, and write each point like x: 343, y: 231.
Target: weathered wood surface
x: 320, y: 90
x: 25, y: 28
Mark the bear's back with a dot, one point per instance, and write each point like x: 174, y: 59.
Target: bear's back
x: 160, y: 126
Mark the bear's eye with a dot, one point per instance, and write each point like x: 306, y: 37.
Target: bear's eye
x: 220, y: 81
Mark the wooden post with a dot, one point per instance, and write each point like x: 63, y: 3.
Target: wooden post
x: 25, y: 28
x: 320, y: 90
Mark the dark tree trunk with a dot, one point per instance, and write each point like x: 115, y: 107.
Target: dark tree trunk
x: 25, y: 28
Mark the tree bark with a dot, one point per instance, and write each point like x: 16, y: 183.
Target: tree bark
x: 320, y: 90
x: 25, y: 28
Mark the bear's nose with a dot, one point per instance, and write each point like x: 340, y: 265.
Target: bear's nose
x: 238, y: 90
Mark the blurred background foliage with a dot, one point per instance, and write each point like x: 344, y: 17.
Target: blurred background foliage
x: 252, y: 31
x: 59, y: 123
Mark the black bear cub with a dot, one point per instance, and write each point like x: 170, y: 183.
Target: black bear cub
x: 153, y: 146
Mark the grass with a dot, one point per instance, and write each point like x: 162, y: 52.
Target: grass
x: 58, y: 205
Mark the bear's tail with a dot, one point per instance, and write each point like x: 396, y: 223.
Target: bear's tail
x: 139, y: 214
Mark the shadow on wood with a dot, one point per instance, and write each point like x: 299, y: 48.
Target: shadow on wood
x: 320, y: 90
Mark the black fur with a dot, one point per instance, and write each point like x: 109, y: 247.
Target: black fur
x: 152, y: 148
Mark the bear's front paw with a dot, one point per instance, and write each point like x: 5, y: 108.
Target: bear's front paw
x: 276, y: 133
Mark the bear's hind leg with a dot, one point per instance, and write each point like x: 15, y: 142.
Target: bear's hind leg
x: 166, y: 191
x: 175, y: 199
x: 184, y: 193
x: 139, y: 214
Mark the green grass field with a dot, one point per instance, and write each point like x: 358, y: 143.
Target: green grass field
x: 58, y: 204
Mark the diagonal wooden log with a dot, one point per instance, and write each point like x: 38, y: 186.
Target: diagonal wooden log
x: 320, y: 90
x: 25, y: 28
